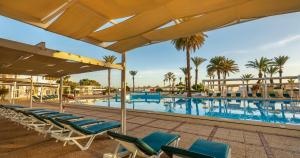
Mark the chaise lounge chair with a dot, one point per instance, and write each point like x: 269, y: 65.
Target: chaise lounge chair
x: 286, y: 95
x: 272, y: 95
x: 200, y: 149
x: 228, y: 95
x: 149, y: 146
x: 77, y: 132
x: 250, y: 95
x: 258, y: 95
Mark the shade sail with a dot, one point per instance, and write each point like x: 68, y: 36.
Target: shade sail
x: 24, y: 59
x: 147, y: 21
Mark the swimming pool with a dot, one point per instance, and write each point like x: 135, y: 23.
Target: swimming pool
x: 283, y: 112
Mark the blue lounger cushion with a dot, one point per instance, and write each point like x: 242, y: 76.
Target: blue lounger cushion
x: 214, y: 149
x: 93, y: 129
x: 86, y: 122
x: 201, y: 149
x: 151, y: 144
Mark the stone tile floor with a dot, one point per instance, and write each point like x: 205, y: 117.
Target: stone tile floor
x: 16, y: 141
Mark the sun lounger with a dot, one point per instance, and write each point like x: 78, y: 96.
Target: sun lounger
x: 149, y: 146
x: 200, y: 149
x: 228, y: 95
x: 258, y: 95
x: 250, y: 95
x: 272, y: 95
x: 286, y: 95
x: 77, y: 132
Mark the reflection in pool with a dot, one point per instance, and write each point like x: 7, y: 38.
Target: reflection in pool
x: 285, y: 112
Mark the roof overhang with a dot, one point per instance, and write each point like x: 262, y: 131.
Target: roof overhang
x: 146, y: 21
x: 24, y: 59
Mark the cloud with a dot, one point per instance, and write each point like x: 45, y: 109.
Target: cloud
x: 280, y: 43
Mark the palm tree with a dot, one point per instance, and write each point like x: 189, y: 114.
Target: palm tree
x: 271, y: 70
x: 110, y: 59
x: 132, y: 73
x: 211, y: 75
x: 215, y: 64
x: 260, y: 65
x: 190, y: 43
x: 169, y: 76
x: 229, y: 66
x: 173, y: 82
x: 279, y: 62
x: 246, y: 77
x: 184, y: 70
x: 197, y: 62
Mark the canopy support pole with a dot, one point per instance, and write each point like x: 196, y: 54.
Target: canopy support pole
x: 41, y: 96
x: 123, y: 93
x: 14, y: 92
x: 31, y: 91
x: 60, y: 94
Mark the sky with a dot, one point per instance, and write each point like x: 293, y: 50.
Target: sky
x: 268, y: 37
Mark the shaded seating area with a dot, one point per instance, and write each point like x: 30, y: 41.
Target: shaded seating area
x: 64, y: 127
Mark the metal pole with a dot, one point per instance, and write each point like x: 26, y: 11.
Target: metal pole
x: 60, y: 94
x: 41, y: 95
x: 31, y: 91
x: 123, y: 93
x: 14, y: 92
x: 299, y: 85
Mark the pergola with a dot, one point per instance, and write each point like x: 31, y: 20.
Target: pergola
x: 37, y: 60
x: 136, y: 23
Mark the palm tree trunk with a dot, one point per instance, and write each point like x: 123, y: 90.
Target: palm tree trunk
x: 188, y: 66
x: 259, y: 76
x: 185, y: 80
x: 196, y: 76
x: 280, y: 80
x: 247, y: 82
x: 133, y: 84
x: 219, y: 82
x: 271, y: 80
x: 108, y: 80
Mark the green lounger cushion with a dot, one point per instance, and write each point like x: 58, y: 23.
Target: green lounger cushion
x: 157, y: 139
x: 86, y: 122
x: 70, y: 117
x: 170, y: 151
x: 151, y: 144
x: 94, y: 129
x: 214, y: 149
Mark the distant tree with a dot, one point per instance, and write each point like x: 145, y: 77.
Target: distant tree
x: 133, y: 73
x: 88, y: 82
x: 279, y: 62
x: 260, y: 65
x: 185, y: 71
x: 228, y: 66
x: 197, y: 62
x: 246, y: 77
x: 216, y: 65
x: 271, y: 70
x: 110, y: 59
x: 190, y: 43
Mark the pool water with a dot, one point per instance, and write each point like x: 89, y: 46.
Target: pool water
x: 284, y: 112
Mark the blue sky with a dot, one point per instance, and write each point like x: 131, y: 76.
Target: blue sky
x: 269, y: 37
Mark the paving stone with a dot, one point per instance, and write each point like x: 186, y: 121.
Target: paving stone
x: 195, y: 129
x: 164, y: 124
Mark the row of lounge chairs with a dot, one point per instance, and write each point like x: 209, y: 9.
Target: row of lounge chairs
x: 250, y: 95
x: 64, y: 127
x: 70, y: 129
x: 47, y: 97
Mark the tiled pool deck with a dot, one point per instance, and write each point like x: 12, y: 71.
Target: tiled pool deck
x: 16, y: 141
